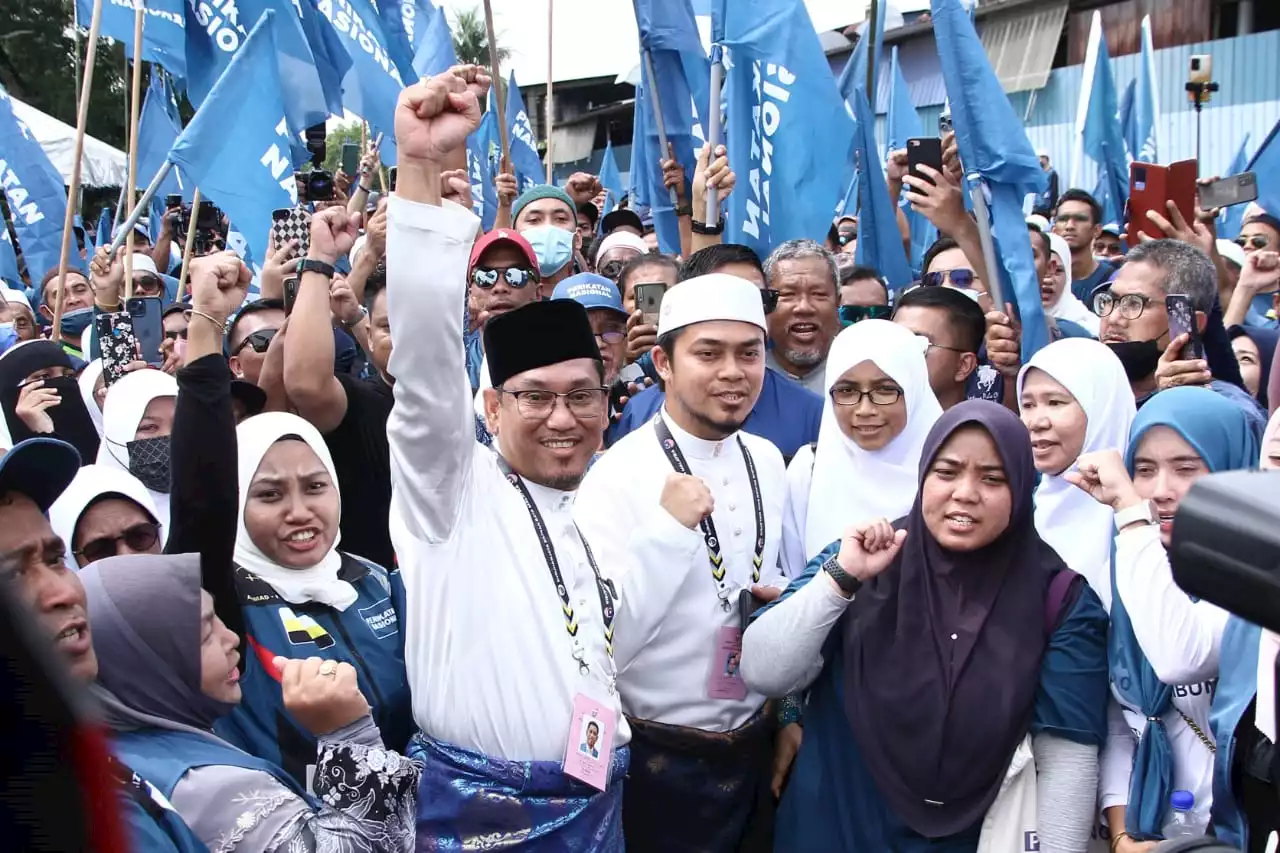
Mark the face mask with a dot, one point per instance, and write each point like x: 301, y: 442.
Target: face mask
x: 75, y: 322
x: 149, y: 462
x: 552, y: 245
x: 1140, y: 358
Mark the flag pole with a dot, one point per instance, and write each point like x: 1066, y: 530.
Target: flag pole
x: 139, y: 15
x: 73, y: 189
x: 983, y: 216
x: 147, y: 194
x: 497, y: 85
x: 712, y: 214
x: 652, y: 89
x: 550, y: 120
x: 183, y: 287
x: 872, y: 11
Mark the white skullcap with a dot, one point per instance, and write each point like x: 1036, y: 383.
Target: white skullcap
x: 1042, y: 152
x: 622, y: 238
x: 708, y: 298
x: 15, y: 296
x: 1059, y: 247
x: 1038, y: 222
x: 1232, y: 251
x: 144, y: 263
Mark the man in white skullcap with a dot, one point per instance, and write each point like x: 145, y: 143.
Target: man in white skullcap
x: 713, y: 495
x: 615, y: 250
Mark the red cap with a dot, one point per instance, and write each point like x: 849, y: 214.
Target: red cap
x: 500, y: 236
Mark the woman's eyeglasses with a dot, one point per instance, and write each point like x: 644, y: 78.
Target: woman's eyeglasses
x: 138, y: 538
x: 883, y: 395
x: 1257, y: 241
x: 962, y: 279
x: 259, y: 340
x: 487, y: 277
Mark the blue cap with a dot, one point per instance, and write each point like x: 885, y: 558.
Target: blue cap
x: 590, y: 291
x: 1183, y: 801
x: 40, y: 468
x: 1114, y: 229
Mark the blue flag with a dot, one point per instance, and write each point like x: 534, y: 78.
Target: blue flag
x: 236, y: 148
x: 848, y: 205
x: 525, y: 161
x: 9, y: 261
x: 37, y: 197
x: 788, y: 127
x: 306, y: 100
x: 1127, y: 124
x: 903, y: 123
x: 396, y: 30
x: 1265, y: 164
x: 158, y: 129
x: 434, y: 53
x: 163, y: 30
x: 1145, y: 99
x: 611, y: 178
x: 484, y: 196
x: 1102, y: 136
x: 1233, y: 217
x: 372, y: 84
x: 106, y: 225
x: 994, y: 145
x: 854, y: 76
x: 879, y: 240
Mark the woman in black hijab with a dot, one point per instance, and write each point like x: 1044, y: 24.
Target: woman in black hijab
x: 943, y: 652
x: 41, y: 397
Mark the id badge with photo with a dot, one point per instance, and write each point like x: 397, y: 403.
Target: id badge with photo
x: 725, y: 679
x: 590, y: 748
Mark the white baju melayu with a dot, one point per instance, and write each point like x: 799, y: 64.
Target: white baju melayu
x: 1079, y: 528
x: 489, y: 660
x: 839, y: 484
x: 671, y: 610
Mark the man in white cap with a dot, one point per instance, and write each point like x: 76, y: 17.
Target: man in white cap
x: 615, y: 250
x: 17, y: 310
x: 1047, y: 200
x: 701, y: 741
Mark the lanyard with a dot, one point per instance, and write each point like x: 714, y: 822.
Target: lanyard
x: 672, y: 450
x: 603, y: 587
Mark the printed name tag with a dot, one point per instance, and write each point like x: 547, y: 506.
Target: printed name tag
x: 725, y: 681
x: 590, y: 747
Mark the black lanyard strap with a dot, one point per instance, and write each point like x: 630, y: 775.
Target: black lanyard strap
x: 672, y: 451
x: 604, y: 588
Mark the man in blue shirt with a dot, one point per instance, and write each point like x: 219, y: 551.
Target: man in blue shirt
x: 1078, y: 220
x: 785, y: 413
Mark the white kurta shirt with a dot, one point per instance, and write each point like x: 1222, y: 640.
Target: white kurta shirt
x: 488, y: 657
x: 670, y: 612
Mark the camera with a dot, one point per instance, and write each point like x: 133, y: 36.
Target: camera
x: 208, y: 224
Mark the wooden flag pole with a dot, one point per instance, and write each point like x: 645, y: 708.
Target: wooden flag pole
x: 135, y: 108
x: 73, y: 189
x: 497, y: 85
x: 550, y: 113
x: 873, y: 11
x: 183, y: 286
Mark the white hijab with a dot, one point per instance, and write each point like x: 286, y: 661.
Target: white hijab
x: 255, y: 436
x: 87, y: 380
x: 91, y: 483
x: 1069, y: 307
x: 851, y: 484
x: 1079, y: 528
x: 126, y: 403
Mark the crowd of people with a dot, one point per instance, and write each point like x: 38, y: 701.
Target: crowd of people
x: 473, y: 547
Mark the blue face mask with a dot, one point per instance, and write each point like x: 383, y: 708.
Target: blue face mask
x: 552, y: 245
x: 75, y: 322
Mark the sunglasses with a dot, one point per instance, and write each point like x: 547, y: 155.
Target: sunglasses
x: 487, y: 277
x: 962, y: 279
x: 259, y: 340
x: 140, y: 537
x: 1257, y: 241
x: 845, y: 239
x: 147, y: 283
x: 612, y: 270
x: 850, y: 314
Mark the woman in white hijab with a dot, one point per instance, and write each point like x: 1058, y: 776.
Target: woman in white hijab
x: 1075, y: 398
x: 878, y: 411
x: 105, y: 512
x: 91, y: 383
x: 301, y: 597
x: 1055, y: 291
x: 137, y: 421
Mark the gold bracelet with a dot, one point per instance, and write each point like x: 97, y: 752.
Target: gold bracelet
x: 221, y: 327
x: 1116, y: 839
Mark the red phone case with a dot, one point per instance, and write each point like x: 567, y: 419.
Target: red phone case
x: 1150, y: 186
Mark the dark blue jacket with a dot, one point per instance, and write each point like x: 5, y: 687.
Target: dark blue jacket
x: 366, y: 635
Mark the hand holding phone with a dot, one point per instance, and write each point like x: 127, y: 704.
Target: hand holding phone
x: 649, y: 300
x: 1229, y: 191
x: 117, y: 343
x: 1182, y: 321
x: 924, y: 151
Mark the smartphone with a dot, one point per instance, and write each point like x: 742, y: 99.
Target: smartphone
x: 748, y: 604
x: 391, y: 179
x: 148, y: 326
x: 290, y: 294
x: 944, y: 118
x: 649, y: 300
x: 1200, y: 69
x: 924, y: 151
x: 1182, y: 321
x: 351, y: 158
x: 1151, y: 186
x: 1236, y: 189
x: 291, y: 223
x: 172, y: 200
x: 116, y: 342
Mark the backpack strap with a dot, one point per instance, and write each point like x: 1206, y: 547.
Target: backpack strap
x: 1063, y: 590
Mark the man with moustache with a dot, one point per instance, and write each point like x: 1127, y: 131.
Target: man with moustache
x: 807, y: 317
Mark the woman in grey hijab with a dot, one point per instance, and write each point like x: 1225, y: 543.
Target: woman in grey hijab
x: 167, y: 672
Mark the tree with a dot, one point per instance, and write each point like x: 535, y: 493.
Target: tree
x: 471, y: 39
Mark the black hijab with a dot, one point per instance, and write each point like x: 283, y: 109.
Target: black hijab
x: 71, y: 420
x: 938, y: 719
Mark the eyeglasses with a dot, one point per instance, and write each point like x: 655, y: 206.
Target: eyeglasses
x: 962, y: 279
x: 770, y: 298
x: 612, y: 270
x: 182, y: 333
x: 140, y: 537
x: 882, y: 395
x: 1131, y: 305
x: 1257, y: 241
x: 850, y: 314
x: 933, y: 346
x: 538, y: 404
x: 486, y: 277
x: 846, y: 238
x: 611, y: 336
x: 259, y: 340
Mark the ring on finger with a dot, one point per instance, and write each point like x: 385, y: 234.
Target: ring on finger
x: 329, y: 669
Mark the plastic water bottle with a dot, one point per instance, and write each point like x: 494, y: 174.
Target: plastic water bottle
x: 1182, y: 822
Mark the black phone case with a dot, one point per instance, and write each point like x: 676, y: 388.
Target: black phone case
x: 926, y: 151
x: 748, y: 604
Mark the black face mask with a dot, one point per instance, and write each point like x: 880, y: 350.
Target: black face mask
x: 1140, y: 358
x: 71, y: 421
x: 149, y: 462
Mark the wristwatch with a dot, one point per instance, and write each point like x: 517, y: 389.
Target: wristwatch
x: 848, y: 583
x: 312, y: 265
x: 704, y: 228
x: 1144, y: 511
x: 364, y: 315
